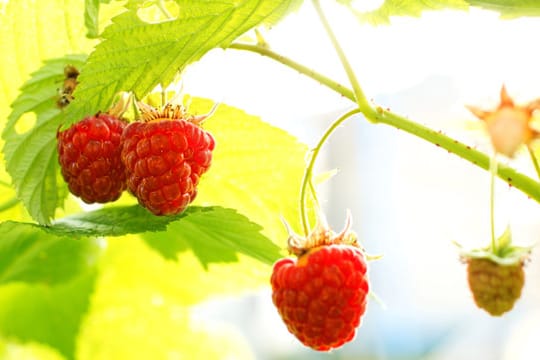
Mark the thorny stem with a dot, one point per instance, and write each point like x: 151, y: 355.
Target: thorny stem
x: 534, y: 160
x: 302, y: 69
x: 357, y: 89
x: 492, y: 172
x: 309, y: 168
x: 514, y: 178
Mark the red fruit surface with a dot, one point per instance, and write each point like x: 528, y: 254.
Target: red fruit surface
x: 321, y: 297
x: 89, y: 157
x: 165, y: 159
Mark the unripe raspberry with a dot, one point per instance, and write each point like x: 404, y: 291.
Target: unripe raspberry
x: 495, y: 273
x: 495, y: 287
x: 89, y: 157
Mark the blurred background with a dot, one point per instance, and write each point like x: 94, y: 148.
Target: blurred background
x: 409, y: 199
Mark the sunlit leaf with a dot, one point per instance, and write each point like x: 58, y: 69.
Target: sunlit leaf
x: 30, y: 140
x: 113, y: 221
x: 29, y: 254
x: 390, y: 8
x: 33, y: 31
x: 141, y: 308
x: 257, y: 169
x: 49, y: 315
x: 509, y: 8
x: 13, y: 350
x: 214, y: 235
x: 136, y: 56
x: 413, y: 8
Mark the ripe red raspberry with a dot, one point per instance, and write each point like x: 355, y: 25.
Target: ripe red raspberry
x: 89, y: 157
x: 495, y: 287
x: 321, y: 296
x: 165, y: 155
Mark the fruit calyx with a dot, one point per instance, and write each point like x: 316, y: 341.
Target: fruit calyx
x: 321, y: 235
x: 509, y: 125
x: 171, y: 112
x: 505, y: 253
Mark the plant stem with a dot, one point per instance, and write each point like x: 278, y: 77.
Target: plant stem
x: 357, y: 89
x: 492, y: 172
x: 309, y: 168
x: 507, y: 174
x: 302, y: 69
x: 534, y: 160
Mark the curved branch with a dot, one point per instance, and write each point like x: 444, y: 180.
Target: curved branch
x: 508, y: 174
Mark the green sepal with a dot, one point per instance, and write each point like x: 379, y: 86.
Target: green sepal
x: 506, y: 253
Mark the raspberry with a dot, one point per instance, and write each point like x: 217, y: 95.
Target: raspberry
x: 321, y: 296
x: 89, y: 157
x: 495, y: 287
x: 165, y: 156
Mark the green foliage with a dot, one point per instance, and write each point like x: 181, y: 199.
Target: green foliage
x: 31, y: 255
x: 257, y: 169
x: 49, y: 315
x: 390, y: 8
x: 30, y: 145
x: 112, y: 221
x: 509, y: 8
x: 91, y: 16
x: 223, y: 244
x: 137, y: 56
x: 214, y: 235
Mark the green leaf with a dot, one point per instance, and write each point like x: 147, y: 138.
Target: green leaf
x: 215, y: 235
x: 140, y: 293
x: 29, y: 254
x: 30, y: 140
x: 389, y: 8
x: 509, y: 8
x: 136, y: 56
x: 113, y: 221
x: 49, y: 315
x: 91, y: 17
x: 256, y: 169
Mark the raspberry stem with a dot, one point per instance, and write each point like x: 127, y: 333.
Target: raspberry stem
x: 493, y: 172
x: 377, y: 114
x: 309, y: 168
x: 357, y: 89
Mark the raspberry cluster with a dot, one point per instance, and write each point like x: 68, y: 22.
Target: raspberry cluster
x: 159, y: 158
